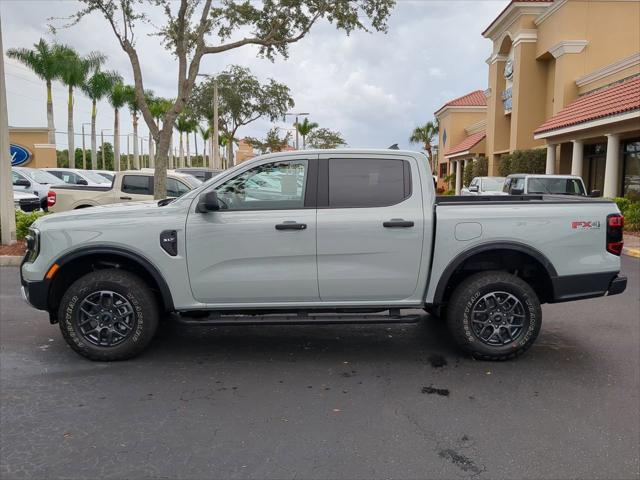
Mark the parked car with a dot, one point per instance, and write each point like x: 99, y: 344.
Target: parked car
x: 76, y: 176
x: 108, y: 174
x: 530, y: 184
x: 128, y: 186
x: 364, y: 233
x: 27, y: 202
x: 484, y: 186
x: 202, y: 174
x: 38, y: 182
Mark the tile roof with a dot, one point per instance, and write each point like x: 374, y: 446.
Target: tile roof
x: 466, y: 144
x: 473, y: 99
x: 613, y: 100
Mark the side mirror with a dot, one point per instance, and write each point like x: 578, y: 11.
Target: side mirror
x: 517, y: 191
x: 22, y: 182
x: 473, y: 188
x: 208, y: 202
x: 82, y: 181
x: 595, y: 193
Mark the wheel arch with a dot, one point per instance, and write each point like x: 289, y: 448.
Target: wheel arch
x: 86, y: 259
x: 493, y: 250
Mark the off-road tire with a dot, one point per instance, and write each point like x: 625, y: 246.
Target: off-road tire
x: 462, y: 302
x: 123, y: 283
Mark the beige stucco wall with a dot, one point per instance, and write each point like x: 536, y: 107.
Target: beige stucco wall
x: 35, y: 140
x: 454, y: 121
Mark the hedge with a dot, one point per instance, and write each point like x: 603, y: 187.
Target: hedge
x: 523, y: 161
x: 24, y: 221
x: 631, y: 211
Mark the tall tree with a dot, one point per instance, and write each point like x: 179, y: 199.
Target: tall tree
x: 205, y: 133
x: 96, y: 88
x: 117, y: 99
x: 425, y: 135
x: 242, y: 99
x: 325, y: 138
x: 74, y: 73
x: 195, y: 28
x: 272, y: 143
x: 183, y: 126
x: 304, y: 129
x: 46, y: 61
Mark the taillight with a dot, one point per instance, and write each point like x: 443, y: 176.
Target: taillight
x: 51, y: 198
x: 615, y: 226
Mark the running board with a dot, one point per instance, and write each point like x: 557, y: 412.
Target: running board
x: 329, y: 319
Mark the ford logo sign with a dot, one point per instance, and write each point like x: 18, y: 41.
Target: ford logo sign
x: 19, y: 155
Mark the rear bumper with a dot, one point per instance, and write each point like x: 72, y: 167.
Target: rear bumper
x: 580, y: 287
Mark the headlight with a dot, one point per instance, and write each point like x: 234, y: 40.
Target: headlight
x: 33, y: 244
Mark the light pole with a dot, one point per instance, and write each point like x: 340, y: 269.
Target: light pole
x: 128, y: 152
x: 215, y: 133
x: 102, y: 143
x: 296, y: 125
x: 84, y: 152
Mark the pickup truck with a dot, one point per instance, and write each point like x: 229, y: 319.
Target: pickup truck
x: 531, y: 184
x: 321, y: 236
x: 127, y: 186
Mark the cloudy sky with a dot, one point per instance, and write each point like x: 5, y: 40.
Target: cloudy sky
x: 374, y: 88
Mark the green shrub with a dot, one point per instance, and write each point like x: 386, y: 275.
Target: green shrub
x: 523, y: 161
x: 24, y: 221
x: 449, y: 192
x: 481, y: 167
x: 623, y: 203
x: 467, y: 175
x: 632, y: 217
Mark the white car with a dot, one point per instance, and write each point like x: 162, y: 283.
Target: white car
x: 484, y: 186
x: 27, y: 202
x: 75, y: 176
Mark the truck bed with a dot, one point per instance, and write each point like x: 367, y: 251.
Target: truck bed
x: 515, y: 199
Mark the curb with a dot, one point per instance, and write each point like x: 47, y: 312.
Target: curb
x: 10, y: 260
x: 632, y: 252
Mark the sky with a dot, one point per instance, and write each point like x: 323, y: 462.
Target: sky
x: 373, y: 87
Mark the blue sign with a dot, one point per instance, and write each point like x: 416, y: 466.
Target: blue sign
x: 19, y: 155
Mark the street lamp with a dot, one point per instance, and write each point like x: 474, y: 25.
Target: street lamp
x: 102, y: 143
x: 84, y: 152
x: 296, y: 125
x: 128, y: 152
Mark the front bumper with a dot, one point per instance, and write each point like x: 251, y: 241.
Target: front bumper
x: 35, y: 293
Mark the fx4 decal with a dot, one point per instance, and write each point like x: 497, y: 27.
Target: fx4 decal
x: 585, y: 225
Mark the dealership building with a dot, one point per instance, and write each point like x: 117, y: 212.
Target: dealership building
x: 563, y: 76
x: 30, y: 147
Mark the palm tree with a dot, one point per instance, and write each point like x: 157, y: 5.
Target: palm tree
x: 304, y: 129
x: 74, y: 74
x: 205, y: 133
x: 96, y: 88
x: 117, y: 99
x: 183, y: 125
x: 159, y: 107
x: 425, y: 135
x: 45, y: 60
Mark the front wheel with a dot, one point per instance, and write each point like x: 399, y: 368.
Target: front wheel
x: 494, y: 315
x: 108, y: 315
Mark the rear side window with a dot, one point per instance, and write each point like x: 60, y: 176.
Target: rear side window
x: 361, y: 182
x: 137, y: 184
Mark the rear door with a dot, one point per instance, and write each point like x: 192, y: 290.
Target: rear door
x: 370, y: 228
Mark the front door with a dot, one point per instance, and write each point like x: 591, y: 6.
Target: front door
x: 370, y: 228
x: 260, y: 247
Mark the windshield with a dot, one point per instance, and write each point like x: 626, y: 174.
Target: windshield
x: 40, y: 176
x: 492, y: 184
x: 107, y: 175
x: 557, y: 186
x: 95, y: 178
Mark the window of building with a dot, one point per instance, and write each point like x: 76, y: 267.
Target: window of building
x: 443, y: 170
x: 631, y: 170
x: 272, y: 186
x: 360, y: 182
x: 137, y: 184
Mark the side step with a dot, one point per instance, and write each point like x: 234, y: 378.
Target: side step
x: 217, y: 319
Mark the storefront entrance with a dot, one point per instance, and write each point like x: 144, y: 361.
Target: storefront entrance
x: 595, y: 160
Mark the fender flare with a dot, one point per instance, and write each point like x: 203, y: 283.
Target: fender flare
x: 142, y: 261
x: 486, y: 247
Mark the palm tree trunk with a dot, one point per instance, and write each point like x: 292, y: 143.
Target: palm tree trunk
x: 71, y: 144
x: 188, y: 151
x: 136, y: 159
x: 211, y: 155
x: 94, y: 148
x: 171, y: 159
x: 181, y: 146
x: 50, y: 125
x: 304, y: 142
x: 116, y: 140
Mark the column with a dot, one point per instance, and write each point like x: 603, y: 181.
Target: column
x: 458, y: 176
x: 551, y: 159
x: 467, y: 161
x: 576, y: 157
x: 612, y: 166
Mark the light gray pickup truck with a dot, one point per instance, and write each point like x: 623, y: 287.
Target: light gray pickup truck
x: 321, y: 236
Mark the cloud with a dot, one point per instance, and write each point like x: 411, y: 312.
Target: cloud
x: 373, y: 87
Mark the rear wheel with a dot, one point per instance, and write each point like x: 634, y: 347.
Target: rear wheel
x: 108, y: 315
x: 494, y: 315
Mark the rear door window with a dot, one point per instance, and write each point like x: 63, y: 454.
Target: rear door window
x: 137, y: 184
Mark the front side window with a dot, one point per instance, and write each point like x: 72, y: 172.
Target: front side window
x: 514, y: 184
x: 272, y: 186
x: 137, y: 184
x: 362, y: 182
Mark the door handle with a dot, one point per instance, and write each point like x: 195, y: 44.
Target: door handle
x: 125, y: 198
x: 397, y: 223
x: 291, y: 226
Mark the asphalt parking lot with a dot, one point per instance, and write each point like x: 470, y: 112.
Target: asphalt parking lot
x: 325, y: 401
